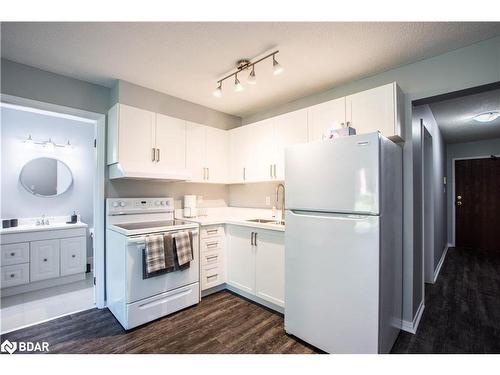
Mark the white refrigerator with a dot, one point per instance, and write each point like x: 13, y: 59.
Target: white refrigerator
x: 343, y: 243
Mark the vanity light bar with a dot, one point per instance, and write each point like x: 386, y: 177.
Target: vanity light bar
x: 49, y: 143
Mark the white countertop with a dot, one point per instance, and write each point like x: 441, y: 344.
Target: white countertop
x: 56, y: 223
x: 235, y: 216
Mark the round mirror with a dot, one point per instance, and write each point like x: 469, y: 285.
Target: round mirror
x: 46, y: 177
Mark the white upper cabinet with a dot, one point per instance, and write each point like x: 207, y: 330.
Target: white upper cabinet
x: 379, y: 109
x: 289, y: 129
x: 217, y: 155
x: 170, y: 142
x: 131, y: 136
x: 261, y: 161
x: 207, y: 153
x: 325, y: 116
x: 196, y: 151
x: 239, y: 153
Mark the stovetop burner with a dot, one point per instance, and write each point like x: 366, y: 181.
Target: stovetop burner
x: 151, y: 224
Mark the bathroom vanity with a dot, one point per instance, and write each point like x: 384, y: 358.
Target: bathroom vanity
x: 40, y: 256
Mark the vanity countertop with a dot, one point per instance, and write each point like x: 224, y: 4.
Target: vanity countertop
x: 31, y: 227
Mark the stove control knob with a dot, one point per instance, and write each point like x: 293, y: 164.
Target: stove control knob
x: 115, y: 204
x: 162, y: 203
x: 167, y: 203
x: 122, y: 204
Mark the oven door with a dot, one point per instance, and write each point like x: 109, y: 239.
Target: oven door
x: 139, y: 288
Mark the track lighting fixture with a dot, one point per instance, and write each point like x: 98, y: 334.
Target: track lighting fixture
x: 252, y: 78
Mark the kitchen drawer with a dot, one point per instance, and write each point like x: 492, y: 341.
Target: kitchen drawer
x: 212, y: 231
x: 15, y: 253
x: 211, y: 277
x: 16, y: 274
x: 211, y: 244
x: 211, y: 258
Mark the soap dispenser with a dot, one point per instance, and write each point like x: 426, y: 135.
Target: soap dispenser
x: 74, y: 218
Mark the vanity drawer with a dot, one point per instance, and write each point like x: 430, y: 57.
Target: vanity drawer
x: 211, y: 258
x: 211, y: 244
x: 213, y: 231
x: 15, y: 253
x: 16, y: 274
x: 211, y: 277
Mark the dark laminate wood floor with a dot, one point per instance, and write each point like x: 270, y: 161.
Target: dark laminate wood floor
x: 462, y: 315
x: 221, y: 323
x: 462, y: 309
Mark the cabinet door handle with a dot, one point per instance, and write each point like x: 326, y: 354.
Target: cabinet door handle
x: 45, y: 259
x: 255, y: 239
x: 274, y: 167
x: 271, y: 170
x: 158, y: 155
x: 73, y: 256
x: 204, y: 173
x: 244, y: 174
x: 251, y: 238
x: 153, y: 154
x: 208, y: 173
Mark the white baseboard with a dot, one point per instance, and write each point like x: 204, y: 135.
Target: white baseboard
x: 412, y: 327
x: 440, y: 264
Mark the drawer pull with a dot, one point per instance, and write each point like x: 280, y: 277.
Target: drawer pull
x: 212, y: 231
x: 12, y: 254
x: 45, y: 259
x: 212, y: 277
x: 12, y: 275
x: 212, y: 257
x: 73, y: 256
x: 212, y: 244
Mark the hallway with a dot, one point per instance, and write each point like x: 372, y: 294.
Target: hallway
x: 462, y: 309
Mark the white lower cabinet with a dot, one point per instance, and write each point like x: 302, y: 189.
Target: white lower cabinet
x: 44, y: 259
x: 270, y: 266
x: 256, y: 262
x: 73, y: 255
x: 212, y: 247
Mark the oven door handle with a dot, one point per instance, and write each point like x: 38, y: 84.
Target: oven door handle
x: 142, y: 239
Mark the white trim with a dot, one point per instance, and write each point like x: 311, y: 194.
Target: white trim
x: 453, y: 222
x: 412, y: 327
x: 99, y: 188
x: 440, y: 263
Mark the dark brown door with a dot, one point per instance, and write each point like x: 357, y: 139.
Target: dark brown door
x: 477, y: 203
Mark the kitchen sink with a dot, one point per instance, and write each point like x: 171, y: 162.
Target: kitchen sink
x: 267, y: 221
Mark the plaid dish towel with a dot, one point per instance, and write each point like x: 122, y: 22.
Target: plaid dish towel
x: 155, y: 254
x: 183, y: 247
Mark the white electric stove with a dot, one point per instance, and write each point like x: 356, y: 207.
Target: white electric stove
x: 131, y: 298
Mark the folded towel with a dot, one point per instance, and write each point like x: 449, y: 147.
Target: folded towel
x: 155, y: 254
x: 184, y: 247
x: 168, y: 243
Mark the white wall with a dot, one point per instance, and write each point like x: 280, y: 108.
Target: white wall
x: 465, y: 150
x: 19, y: 203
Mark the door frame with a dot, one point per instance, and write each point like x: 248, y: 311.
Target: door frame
x: 453, y: 207
x: 427, y: 253
x: 99, y: 120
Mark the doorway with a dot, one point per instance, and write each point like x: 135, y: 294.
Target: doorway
x: 428, y: 204
x: 477, y: 203
x: 76, y: 140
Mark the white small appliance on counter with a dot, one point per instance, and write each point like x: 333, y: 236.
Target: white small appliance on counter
x: 343, y: 243
x: 132, y: 299
x: 190, y: 209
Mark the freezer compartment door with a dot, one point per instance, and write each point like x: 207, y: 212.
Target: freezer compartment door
x: 339, y: 175
x: 332, y: 281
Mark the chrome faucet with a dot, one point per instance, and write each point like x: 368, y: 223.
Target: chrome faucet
x: 282, y: 200
x: 42, y: 221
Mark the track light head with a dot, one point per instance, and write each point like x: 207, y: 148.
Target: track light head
x: 237, y: 84
x: 252, y: 79
x: 218, y: 91
x: 277, y: 68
